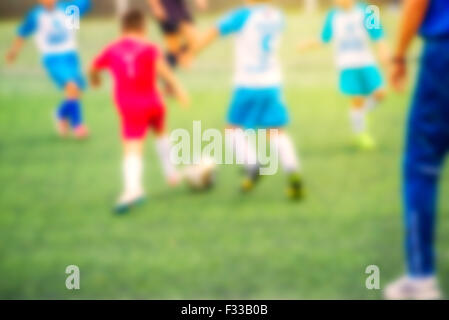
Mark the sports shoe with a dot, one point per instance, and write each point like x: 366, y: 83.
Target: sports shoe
x: 365, y: 141
x: 81, y: 132
x: 128, y: 201
x: 295, y: 190
x: 252, y: 177
x: 407, y: 288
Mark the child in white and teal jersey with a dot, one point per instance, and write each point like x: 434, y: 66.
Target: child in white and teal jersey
x: 351, y: 26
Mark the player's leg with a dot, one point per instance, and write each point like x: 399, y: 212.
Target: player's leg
x: 65, y: 71
x: 173, y: 43
x: 357, y: 115
x: 373, y: 101
x: 133, y: 191
x: 352, y: 84
x: 426, y: 146
x: 422, y: 165
x: 285, y: 149
x: 74, y: 111
x: 238, y: 140
x: 163, y: 148
x: 134, y: 130
x: 156, y: 121
x: 373, y: 87
x: 190, y: 34
x: 240, y: 144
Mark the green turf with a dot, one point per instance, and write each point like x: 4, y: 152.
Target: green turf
x: 55, y: 196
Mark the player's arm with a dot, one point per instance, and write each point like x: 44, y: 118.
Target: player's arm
x: 326, y: 35
x: 384, y: 52
x: 100, y: 63
x: 95, y: 77
x: 205, y: 40
x: 164, y: 71
x: 25, y: 30
x: 229, y: 24
x: 202, y: 4
x: 15, y: 49
x: 157, y: 9
x: 412, y: 16
x: 309, y: 44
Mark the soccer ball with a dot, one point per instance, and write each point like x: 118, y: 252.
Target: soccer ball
x: 201, y: 177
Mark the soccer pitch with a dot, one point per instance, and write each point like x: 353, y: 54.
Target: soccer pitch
x: 56, y: 196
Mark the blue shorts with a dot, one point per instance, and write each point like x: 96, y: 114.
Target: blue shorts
x: 254, y: 108
x: 360, y: 81
x: 64, y: 68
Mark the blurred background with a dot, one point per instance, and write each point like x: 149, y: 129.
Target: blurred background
x: 56, y: 196
x: 10, y: 8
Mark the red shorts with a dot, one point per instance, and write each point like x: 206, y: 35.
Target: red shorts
x: 137, y: 121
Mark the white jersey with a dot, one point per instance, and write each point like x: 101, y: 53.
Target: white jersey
x: 351, y: 32
x: 258, y: 30
x: 54, y: 30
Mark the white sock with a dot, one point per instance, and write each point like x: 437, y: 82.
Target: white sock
x: 245, y: 153
x: 163, y: 148
x: 370, y: 104
x: 358, y: 120
x: 132, y: 174
x: 285, y: 148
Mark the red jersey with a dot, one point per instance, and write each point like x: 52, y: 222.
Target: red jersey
x: 132, y: 63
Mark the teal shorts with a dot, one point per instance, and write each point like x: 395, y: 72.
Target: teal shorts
x: 258, y: 108
x: 361, y: 81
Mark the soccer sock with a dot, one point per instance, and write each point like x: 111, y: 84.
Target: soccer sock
x: 245, y: 153
x: 132, y: 173
x: 370, y: 104
x: 71, y: 110
x: 358, y: 120
x: 62, y: 112
x: 163, y: 147
x: 285, y: 148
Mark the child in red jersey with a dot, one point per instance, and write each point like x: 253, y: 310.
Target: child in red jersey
x: 135, y: 65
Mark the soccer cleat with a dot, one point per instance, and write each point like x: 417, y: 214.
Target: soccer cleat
x: 407, y: 288
x: 126, y: 203
x: 295, y: 190
x: 250, y: 180
x: 365, y: 141
x: 81, y: 132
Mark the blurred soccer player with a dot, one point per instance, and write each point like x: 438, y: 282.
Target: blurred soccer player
x: 48, y: 21
x: 258, y: 101
x: 427, y: 142
x: 350, y: 26
x: 135, y: 65
x: 176, y: 23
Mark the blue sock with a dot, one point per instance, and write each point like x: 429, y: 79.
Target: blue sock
x: 62, y: 112
x: 71, y: 110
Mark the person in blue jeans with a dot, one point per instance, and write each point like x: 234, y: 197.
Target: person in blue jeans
x: 427, y: 142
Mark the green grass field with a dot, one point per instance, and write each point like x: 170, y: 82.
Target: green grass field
x: 56, y: 196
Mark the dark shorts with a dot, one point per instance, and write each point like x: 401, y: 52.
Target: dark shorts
x: 177, y: 12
